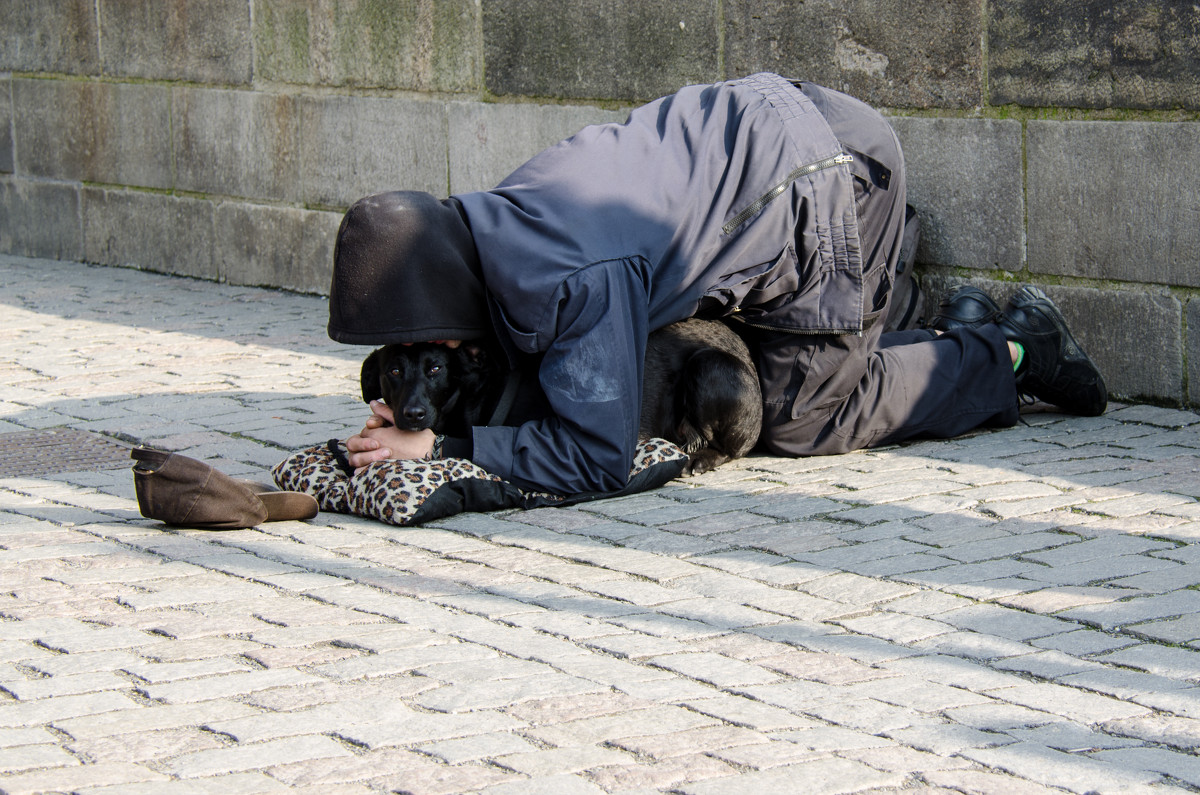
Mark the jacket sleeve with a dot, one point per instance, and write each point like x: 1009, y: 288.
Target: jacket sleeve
x: 593, y: 333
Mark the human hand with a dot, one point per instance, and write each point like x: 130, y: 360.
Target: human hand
x: 380, y: 439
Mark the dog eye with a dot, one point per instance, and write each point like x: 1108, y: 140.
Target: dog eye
x: 395, y: 371
x: 434, y: 368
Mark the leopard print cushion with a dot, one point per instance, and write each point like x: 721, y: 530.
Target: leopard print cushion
x: 410, y: 492
x: 315, y: 471
x: 653, y: 452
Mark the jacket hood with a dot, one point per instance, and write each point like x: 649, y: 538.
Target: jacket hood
x: 405, y: 269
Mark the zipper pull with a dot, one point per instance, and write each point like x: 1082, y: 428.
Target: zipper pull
x: 844, y: 158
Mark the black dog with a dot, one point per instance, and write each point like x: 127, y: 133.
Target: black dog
x: 701, y: 390
x: 701, y: 393
x: 427, y: 385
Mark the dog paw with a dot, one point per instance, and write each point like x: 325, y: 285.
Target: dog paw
x: 702, y: 461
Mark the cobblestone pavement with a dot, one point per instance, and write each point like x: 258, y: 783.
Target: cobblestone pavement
x: 1015, y: 611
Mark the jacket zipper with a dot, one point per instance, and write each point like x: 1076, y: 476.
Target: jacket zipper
x: 787, y: 329
x: 777, y: 191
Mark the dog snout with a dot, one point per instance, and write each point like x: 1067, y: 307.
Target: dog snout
x: 415, y: 414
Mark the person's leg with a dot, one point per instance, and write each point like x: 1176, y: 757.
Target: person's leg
x: 835, y: 393
x: 938, y: 387
x: 891, y: 339
x: 1049, y: 363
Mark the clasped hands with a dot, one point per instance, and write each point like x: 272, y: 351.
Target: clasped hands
x: 381, y: 439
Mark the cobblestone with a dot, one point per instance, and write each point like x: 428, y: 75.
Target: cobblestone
x: 1122, y: 684
x: 656, y: 720
x: 1078, y: 705
x: 27, y: 757
x: 470, y: 749
x: 1055, y: 768
x: 467, y: 696
x: 1071, y: 738
x: 75, y: 777
x: 1166, y: 729
x: 64, y: 685
x: 225, y: 685
x: 255, y: 755
x: 660, y: 775
x: 147, y: 746
x: 1162, y: 660
x: 747, y: 712
x: 764, y: 755
x: 406, y: 727
x: 1012, y: 611
x: 821, y: 775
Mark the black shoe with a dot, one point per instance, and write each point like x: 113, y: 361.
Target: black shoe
x: 1055, y: 368
x: 967, y: 307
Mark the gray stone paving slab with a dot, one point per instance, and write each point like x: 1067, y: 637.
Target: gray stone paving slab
x: 1054, y: 768
x: 57, y: 779
x: 824, y: 775
x: 1012, y: 611
x: 1167, y: 661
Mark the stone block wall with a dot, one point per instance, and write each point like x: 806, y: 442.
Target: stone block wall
x: 1047, y: 141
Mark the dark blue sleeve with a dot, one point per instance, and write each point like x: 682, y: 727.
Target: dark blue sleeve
x: 591, y: 374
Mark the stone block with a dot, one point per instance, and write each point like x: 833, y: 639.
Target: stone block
x: 355, y: 146
x: 965, y: 180
x: 1093, y: 54
x: 899, y: 54
x: 275, y: 246
x: 1135, y: 337
x: 423, y: 45
x: 615, y: 49
x: 289, y: 41
x: 58, y: 36
x: 148, y: 231
x: 488, y: 141
x: 39, y: 219
x: 94, y: 132
x: 6, y: 139
x: 205, y: 42
x: 1114, y: 200
x: 1193, y: 350
x: 237, y: 143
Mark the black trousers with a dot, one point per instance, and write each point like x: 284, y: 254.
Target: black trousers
x: 833, y: 393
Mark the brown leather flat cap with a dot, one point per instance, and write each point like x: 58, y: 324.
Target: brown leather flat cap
x: 184, y: 492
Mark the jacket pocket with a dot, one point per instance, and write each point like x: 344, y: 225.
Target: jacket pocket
x: 780, y: 281
x: 760, y: 287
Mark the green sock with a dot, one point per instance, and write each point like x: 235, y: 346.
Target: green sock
x: 1020, y: 356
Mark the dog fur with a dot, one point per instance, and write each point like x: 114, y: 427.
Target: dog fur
x: 700, y: 391
x: 415, y: 381
x: 428, y: 385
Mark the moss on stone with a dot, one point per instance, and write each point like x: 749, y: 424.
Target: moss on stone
x: 283, y: 46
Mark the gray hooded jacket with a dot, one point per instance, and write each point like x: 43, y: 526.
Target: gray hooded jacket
x: 726, y: 200
x: 732, y: 199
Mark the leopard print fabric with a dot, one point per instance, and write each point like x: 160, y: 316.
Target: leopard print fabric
x: 652, y: 452
x: 394, y: 490
x: 391, y: 491
x: 315, y: 471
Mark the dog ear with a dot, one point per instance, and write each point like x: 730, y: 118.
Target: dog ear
x: 369, y: 379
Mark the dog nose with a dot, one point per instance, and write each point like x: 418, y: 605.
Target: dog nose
x: 414, y: 413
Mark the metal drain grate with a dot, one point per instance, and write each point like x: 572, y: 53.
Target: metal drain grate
x: 56, y: 450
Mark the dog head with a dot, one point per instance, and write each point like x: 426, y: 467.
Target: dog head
x: 417, y: 382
